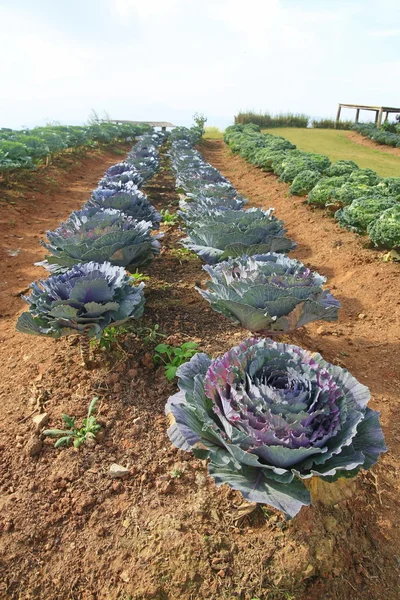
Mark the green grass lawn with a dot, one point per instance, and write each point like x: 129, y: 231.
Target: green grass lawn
x: 334, y: 144
x: 213, y: 133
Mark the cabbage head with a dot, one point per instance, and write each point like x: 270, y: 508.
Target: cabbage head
x: 100, y: 235
x: 269, y: 293
x: 341, y: 167
x: 231, y: 233
x: 84, y: 300
x: 385, y: 230
x: 136, y: 206
x: 304, y: 182
x: 358, y: 215
x: 268, y: 415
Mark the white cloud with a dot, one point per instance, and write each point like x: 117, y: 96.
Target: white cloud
x: 385, y: 33
x: 125, y: 10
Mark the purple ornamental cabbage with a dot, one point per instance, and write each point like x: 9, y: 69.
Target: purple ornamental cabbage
x: 219, y: 235
x: 136, y: 206
x: 268, y: 293
x: 268, y: 415
x: 84, y: 300
x: 100, y: 235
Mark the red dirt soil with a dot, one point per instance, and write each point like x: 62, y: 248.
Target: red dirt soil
x: 361, y: 140
x: 69, y: 531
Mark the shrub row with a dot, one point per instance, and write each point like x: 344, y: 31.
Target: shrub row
x: 380, y: 136
x: 364, y: 201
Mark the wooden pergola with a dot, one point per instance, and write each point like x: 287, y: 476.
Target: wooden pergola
x: 379, y: 110
x: 162, y: 124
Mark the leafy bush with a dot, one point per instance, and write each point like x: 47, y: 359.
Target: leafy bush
x: 341, y: 167
x: 268, y: 415
x: 363, y: 211
x: 84, y: 300
x: 385, y: 230
x: 227, y: 234
x: 270, y: 160
x: 100, y: 235
x: 269, y: 293
x: 304, y: 182
x: 325, y: 190
x: 364, y: 177
x: 298, y: 161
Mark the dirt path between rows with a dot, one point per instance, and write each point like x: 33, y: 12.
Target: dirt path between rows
x: 69, y: 531
x: 361, y: 140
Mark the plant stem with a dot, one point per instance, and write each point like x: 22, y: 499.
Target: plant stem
x: 84, y: 344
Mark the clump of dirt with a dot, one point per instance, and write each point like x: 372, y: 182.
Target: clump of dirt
x: 70, y: 530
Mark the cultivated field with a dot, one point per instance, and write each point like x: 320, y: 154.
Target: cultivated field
x: 161, y: 529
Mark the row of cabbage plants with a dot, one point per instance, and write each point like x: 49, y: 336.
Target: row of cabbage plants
x: 268, y: 416
x: 363, y: 201
x: 387, y: 135
x: 89, y: 288
x: 27, y: 148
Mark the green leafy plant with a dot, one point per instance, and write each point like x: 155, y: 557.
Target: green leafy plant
x: 174, y: 356
x: 76, y: 435
x: 150, y: 334
x: 183, y: 254
x: 200, y: 120
x: 109, y: 337
x: 168, y: 217
x: 139, y: 276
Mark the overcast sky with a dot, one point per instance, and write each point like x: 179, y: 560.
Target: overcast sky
x: 166, y: 59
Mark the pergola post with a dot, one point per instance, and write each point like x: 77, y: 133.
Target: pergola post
x: 338, y: 115
x: 357, y: 115
x: 386, y: 116
x: 379, y: 118
x: 376, y: 116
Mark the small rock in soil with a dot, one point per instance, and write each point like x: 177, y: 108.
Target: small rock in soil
x: 34, y: 446
x: 147, y: 361
x: 40, y: 421
x: 117, y: 471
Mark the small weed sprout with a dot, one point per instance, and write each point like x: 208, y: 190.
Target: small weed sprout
x: 76, y: 435
x: 137, y: 277
x: 176, y: 474
x: 168, y: 217
x: 109, y: 337
x: 149, y: 335
x: 183, y: 254
x: 174, y: 356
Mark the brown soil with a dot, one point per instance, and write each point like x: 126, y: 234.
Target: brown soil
x: 69, y: 531
x: 361, y: 140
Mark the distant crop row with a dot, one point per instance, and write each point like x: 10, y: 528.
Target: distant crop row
x: 363, y: 201
x: 27, y: 148
x: 387, y: 135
